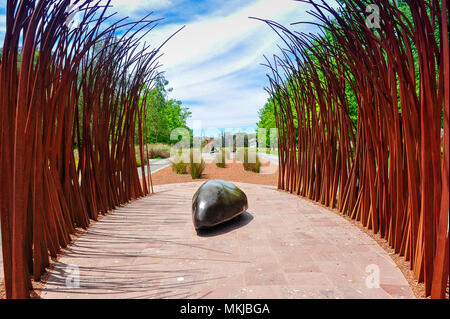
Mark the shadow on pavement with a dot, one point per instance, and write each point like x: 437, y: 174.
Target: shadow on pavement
x: 235, y: 223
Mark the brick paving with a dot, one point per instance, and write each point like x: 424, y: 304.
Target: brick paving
x: 283, y: 247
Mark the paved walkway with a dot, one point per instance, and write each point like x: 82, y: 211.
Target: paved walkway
x: 283, y: 247
x: 269, y: 157
x: 155, y: 165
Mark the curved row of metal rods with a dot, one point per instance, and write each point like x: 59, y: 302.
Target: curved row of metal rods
x: 390, y: 170
x: 65, y: 91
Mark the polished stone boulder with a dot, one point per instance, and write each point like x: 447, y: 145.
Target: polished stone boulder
x: 215, y: 202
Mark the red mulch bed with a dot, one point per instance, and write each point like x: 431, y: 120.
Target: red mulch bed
x: 233, y: 172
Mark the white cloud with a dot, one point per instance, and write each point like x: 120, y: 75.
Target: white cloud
x: 230, y: 109
x: 133, y: 8
x: 210, y: 37
x: 214, y: 60
x: 2, y: 28
x: 157, y: 4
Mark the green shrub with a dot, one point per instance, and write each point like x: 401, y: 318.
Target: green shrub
x: 221, y: 157
x: 138, y: 161
x: 253, y: 167
x: 138, y: 156
x: 158, y: 153
x: 154, y: 151
x: 179, y: 167
x: 159, y: 150
x: 242, y: 155
x: 196, y: 169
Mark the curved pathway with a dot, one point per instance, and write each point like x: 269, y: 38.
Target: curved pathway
x: 283, y: 247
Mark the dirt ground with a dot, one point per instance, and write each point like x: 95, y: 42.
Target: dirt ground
x: 233, y: 172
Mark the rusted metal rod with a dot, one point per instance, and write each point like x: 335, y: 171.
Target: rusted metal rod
x: 65, y: 92
x: 389, y: 170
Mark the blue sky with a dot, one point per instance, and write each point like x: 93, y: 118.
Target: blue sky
x: 213, y: 65
x: 2, y: 20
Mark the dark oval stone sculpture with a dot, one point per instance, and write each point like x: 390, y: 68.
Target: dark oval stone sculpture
x: 215, y: 202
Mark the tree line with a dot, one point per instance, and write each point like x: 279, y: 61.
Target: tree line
x: 163, y: 113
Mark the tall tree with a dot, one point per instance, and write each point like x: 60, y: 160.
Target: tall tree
x: 164, y: 114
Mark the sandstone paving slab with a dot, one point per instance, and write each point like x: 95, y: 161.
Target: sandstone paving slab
x: 282, y: 247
